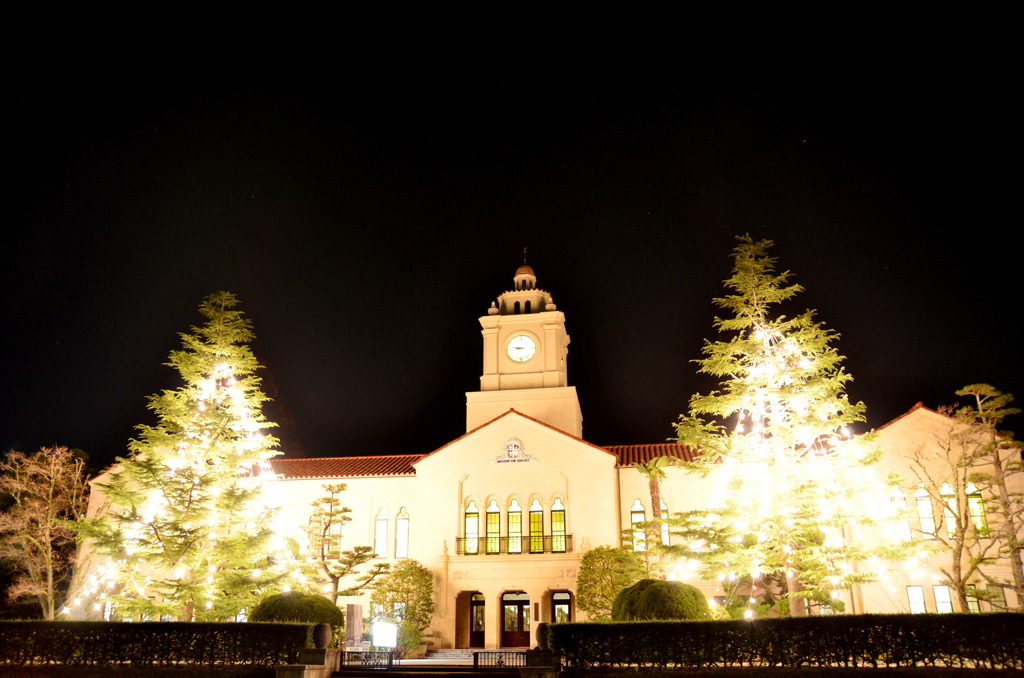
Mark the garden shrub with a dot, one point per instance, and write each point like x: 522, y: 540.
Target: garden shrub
x: 651, y: 599
x: 294, y: 606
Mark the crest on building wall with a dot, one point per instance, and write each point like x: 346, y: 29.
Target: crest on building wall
x: 514, y: 454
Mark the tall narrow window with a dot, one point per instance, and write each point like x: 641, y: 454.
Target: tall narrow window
x: 943, y: 601
x: 973, y: 603
x: 558, y: 527
x: 536, y: 527
x: 976, y: 507
x: 664, y: 523
x: 380, y: 534
x: 492, y: 528
x: 402, y: 534
x: 949, y: 508
x: 915, y: 596
x: 637, y: 517
x: 925, y: 517
x: 515, y: 527
x: 997, y: 598
x: 471, y: 542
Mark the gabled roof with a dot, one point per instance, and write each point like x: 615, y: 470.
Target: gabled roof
x: 627, y: 455
x: 915, y: 408
x: 392, y: 465
x: 511, y: 412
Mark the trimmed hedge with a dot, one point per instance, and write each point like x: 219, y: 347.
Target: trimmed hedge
x: 956, y: 640
x: 151, y: 643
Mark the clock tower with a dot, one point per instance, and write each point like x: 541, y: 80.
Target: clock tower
x: 525, y: 350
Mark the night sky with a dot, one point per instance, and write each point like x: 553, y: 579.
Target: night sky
x: 367, y: 211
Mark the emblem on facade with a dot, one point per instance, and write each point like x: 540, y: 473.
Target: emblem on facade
x: 514, y: 453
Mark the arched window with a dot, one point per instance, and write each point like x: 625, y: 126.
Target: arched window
x: 924, y: 512
x: 637, y: 516
x: 471, y: 543
x: 516, y: 308
x: 515, y: 527
x: 492, y: 528
x: 380, y: 534
x: 402, y: 534
x: 558, y: 527
x: 527, y: 307
x: 536, y: 527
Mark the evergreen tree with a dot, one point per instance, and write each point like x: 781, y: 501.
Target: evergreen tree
x: 188, y: 531
x: 794, y: 492
x: 604, y: 572
x: 406, y: 593
x: 328, y: 562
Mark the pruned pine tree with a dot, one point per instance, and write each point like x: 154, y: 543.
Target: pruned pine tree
x: 329, y: 562
x: 188, y: 530
x: 998, y: 475
x: 794, y: 492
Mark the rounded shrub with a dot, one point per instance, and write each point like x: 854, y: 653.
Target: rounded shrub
x: 655, y: 599
x: 297, y: 607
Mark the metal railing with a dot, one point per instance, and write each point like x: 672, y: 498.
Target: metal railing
x: 368, y: 659
x: 499, y: 659
x: 492, y: 546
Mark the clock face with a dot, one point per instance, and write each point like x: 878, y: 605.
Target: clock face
x: 521, y: 348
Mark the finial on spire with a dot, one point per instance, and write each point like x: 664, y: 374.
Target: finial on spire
x: 524, y: 256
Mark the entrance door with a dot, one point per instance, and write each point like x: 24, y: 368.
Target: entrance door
x: 476, y: 620
x: 515, y: 620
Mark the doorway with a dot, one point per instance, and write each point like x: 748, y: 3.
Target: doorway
x: 515, y: 620
x: 477, y: 616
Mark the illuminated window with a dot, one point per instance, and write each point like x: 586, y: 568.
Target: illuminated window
x: 471, y: 544
x: 515, y: 527
x: 915, y: 595
x: 943, y: 601
x: 380, y: 534
x: 637, y: 517
x: 973, y: 603
x: 924, y: 512
x: 402, y: 534
x: 561, y: 607
x: 949, y: 508
x: 976, y: 507
x: 558, y: 527
x: 492, y: 528
x: 536, y: 527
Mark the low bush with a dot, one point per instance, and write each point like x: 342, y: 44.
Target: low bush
x: 651, y: 599
x: 298, y: 607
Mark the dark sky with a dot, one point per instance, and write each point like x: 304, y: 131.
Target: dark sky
x: 366, y: 211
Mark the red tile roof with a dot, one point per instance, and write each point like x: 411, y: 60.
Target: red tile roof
x: 627, y: 455
x: 347, y: 467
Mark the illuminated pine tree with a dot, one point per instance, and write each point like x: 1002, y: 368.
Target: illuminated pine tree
x: 188, y: 531
x: 794, y: 493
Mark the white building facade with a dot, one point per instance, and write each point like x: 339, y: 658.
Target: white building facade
x: 503, y: 515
